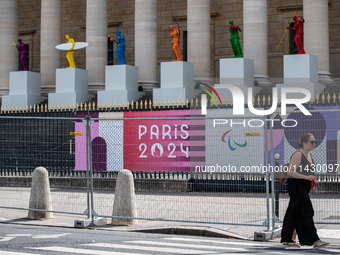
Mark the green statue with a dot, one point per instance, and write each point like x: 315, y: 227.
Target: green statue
x: 235, y: 39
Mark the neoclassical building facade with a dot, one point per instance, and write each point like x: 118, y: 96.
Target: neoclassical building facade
x: 43, y: 24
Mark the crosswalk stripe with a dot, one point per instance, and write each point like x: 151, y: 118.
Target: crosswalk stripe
x: 329, y: 233
x: 288, y: 252
x: 81, y: 251
x: 233, y: 253
x: 330, y: 250
x: 51, y: 236
x: 7, y: 238
x: 188, y: 245
x: 19, y: 235
x: 285, y: 252
x: 243, y: 253
x: 15, y: 253
x: 256, y: 245
x: 149, y: 248
x: 218, y: 242
x: 281, y: 252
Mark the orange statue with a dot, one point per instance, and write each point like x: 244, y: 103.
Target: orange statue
x: 175, y: 34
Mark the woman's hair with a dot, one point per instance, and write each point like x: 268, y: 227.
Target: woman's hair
x: 304, y: 138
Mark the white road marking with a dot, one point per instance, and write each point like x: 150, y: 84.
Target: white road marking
x: 82, y: 251
x: 247, y: 253
x: 51, y: 236
x: 148, y: 248
x: 7, y: 238
x: 15, y: 253
x: 329, y: 233
x: 196, y: 246
x: 18, y: 235
x: 219, y: 242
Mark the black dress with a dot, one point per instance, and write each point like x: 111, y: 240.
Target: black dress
x: 299, y: 214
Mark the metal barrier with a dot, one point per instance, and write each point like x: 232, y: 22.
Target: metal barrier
x: 31, y: 141
x: 188, y: 168
x: 323, y: 123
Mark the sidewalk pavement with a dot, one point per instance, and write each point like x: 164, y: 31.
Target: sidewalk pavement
x: 327, y: 232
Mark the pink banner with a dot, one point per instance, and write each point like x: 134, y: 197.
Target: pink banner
x: 161, y: 144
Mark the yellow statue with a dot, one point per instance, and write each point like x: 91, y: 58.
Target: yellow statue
x: 70, y: 53
x: 175, y: 34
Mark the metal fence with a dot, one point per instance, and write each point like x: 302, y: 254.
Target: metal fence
x: 37, y: 140
x: 323, y: 123
x: 186, y: 167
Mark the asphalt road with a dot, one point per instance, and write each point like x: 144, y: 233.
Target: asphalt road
x: 20, y: 239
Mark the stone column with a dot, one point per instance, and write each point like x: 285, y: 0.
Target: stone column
x: 9, y: 32
x: 255, y: 37
x: 146, y: 43
x: 199, y: 38
x: 316, y: 37
x: 96, y: 37
x: 49, y: 38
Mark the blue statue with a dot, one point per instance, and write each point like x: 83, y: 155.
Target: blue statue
x: 120, y: 52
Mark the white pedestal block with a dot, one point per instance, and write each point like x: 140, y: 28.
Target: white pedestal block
x: 121, y: 77
x: 177, y: 74
x: 301, y: 71
x: 24, y: 90
x: 177, y: 82
x: 71, y: 88
x: 238, y: 72
x: 300, y: 68
x: 121, y: 85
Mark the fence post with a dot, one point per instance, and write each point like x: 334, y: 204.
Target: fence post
x: 268, y: 233
x: 89, y: 153
x: 272, y: 177
x: 91, y: 221
x: 88, y: 163
x: 267, y: 174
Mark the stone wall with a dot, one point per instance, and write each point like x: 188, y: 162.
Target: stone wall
x: 334, y: 38
x: 29, y: 30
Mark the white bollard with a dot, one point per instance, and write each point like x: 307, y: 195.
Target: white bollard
x: 40, y: 195
x: 125, y: 200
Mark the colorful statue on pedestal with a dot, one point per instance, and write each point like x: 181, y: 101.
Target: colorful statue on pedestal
x: 70, y: 53
x: 175, y: 35
x: 71, y: 46
x: 120, y: 52
x: 235, y: 39
x: 22, y: 54
x: 298, y: 39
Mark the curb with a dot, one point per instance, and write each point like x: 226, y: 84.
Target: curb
x: 180, y: 230
x: 192, y: 231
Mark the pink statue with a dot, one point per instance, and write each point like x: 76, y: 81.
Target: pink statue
x: 298, y: 39
x: 22, y: 55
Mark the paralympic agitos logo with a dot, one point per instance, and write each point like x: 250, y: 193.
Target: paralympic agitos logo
x: 230, y: 144
x: 199, y: 86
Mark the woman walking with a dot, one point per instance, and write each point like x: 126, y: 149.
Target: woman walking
x: 299, y: 214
